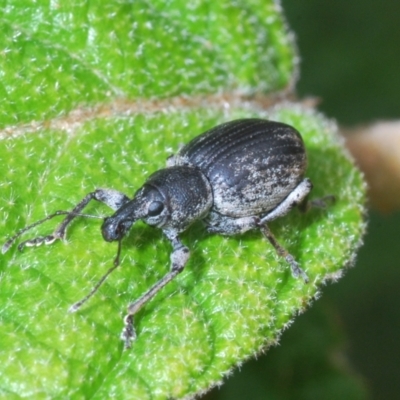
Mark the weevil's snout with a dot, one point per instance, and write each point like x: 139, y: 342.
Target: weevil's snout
x: 114, y: 229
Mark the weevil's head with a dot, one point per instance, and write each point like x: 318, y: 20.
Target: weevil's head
x: 148, y: 205
x: 171, y: 199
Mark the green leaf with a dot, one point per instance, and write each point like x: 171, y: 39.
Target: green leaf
x: 235, y: 295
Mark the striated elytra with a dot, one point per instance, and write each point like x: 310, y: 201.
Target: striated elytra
x: 235, y: 177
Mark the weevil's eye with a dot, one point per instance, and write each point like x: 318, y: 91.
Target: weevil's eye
x: 155, y: 208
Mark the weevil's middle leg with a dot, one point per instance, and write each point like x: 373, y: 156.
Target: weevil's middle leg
x: 294, y: 265
x: 111, y: 198
x: 180, y: 255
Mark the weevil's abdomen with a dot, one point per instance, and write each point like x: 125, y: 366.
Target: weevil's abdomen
x: 251, y: 164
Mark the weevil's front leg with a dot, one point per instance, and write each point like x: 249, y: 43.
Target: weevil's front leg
x: 111, y: 198
x: 179, y: 256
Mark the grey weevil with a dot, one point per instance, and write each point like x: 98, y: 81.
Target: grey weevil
x: 235, y: 177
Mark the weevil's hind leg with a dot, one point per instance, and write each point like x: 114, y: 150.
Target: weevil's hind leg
x: 111, y: 198
x: 294, y: 265
x: 322, y: 202
x: 295, y: 198
x: 179, y: 256
x: 298, y: 197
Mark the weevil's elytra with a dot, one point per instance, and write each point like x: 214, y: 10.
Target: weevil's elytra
x: 235, y: 177
x: 251, y: 167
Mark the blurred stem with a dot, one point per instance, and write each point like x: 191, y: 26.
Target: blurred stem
x: 376, y: 149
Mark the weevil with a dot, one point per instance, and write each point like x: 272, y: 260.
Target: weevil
x: 236, y: 177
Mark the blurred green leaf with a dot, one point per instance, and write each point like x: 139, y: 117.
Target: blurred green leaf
x: 309, y: 363
x: 236, y: 294
x: 62, y: 54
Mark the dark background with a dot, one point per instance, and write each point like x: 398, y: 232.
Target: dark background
x: 349, y: 340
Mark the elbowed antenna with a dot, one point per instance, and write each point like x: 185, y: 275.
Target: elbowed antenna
x: 115, y: 228
x: 10, y: 241
x: 76, y: 306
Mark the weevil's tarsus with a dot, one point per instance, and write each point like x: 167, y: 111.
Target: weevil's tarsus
x: 111, y: 198
x: 37, y: 241
x: 128, y: 334
x: 10, y: 241
x: 179, y: 256
x: 297, y: 272
x: 322, y: 203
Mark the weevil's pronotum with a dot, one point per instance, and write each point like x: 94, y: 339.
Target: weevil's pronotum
x: 235, y: 177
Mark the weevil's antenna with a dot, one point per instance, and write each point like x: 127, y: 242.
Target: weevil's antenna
x: 10, y: 241
x: 76, y: 306
x: 116, y: 259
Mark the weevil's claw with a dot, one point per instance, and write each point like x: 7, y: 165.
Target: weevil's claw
x: 128, y: 334
x: 37, y: 241
x: 6, y: 246
x: 75, y: 307
x: 296, y: 270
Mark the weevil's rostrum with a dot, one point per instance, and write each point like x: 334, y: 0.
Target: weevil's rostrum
x: 235, y: 177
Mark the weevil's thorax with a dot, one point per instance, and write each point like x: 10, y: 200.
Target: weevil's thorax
x: 186, y: 196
